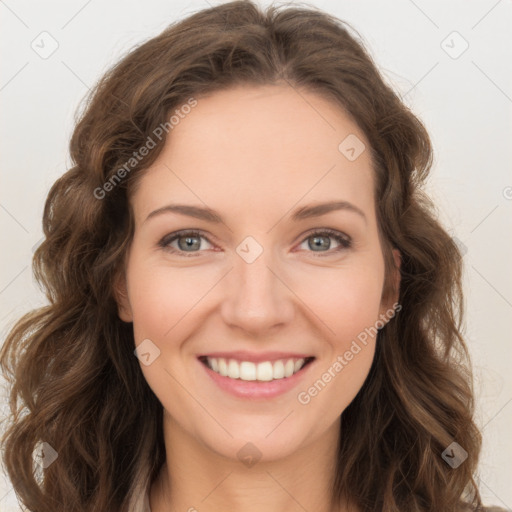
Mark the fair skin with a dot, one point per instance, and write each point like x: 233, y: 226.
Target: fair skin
x: 254, y: 155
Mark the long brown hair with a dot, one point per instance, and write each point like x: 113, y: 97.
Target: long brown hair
x: 74, y: 381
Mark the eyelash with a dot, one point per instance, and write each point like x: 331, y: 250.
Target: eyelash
x: 344, y: 241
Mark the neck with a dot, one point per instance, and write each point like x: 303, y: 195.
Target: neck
x: 196, y: 478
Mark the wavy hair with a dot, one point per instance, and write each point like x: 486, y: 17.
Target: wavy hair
x: 74, y: 382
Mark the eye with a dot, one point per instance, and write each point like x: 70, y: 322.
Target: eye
x: 319, y: 240
x: 185, y: 240
x: 189, y: 242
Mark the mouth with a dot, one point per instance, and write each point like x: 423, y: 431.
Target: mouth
x: 249, y: 371
x: 253, y: 380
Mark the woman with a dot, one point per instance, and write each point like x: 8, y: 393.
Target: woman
x: 251, y: 304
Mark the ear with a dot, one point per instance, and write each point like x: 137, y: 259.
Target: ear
x: 397, y: 258
x: 124, y: 309
x: 391, y: 293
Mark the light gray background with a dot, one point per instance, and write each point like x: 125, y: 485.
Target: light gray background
x: 464, y: 98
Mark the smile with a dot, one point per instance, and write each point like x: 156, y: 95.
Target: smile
x: 264, y: 371
x: 255, y: 380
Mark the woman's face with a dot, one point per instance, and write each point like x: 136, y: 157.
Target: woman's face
x: 265, y: 284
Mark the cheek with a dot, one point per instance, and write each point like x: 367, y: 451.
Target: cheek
x: 346, y: 362
x: 345, y: 300
x: 162, y: 297
x: 163, y: 302
x: 358, y: 309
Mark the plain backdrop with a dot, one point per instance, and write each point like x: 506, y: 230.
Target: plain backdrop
x: 450, y: 60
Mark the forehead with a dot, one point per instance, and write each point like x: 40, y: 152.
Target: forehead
x: 260, y: 146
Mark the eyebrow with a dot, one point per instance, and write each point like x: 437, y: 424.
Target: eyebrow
x: 305, y: 212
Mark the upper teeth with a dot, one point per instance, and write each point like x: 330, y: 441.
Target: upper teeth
x: 247, y: 370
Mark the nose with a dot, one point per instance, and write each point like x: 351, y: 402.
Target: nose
x: 256, y: 297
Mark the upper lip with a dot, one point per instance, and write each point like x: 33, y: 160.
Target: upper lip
x: 256, y: 357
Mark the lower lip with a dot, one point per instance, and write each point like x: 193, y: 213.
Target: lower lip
x: 256, y: 389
